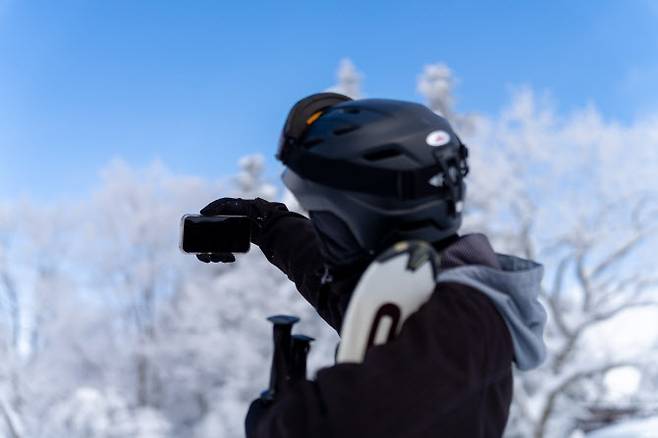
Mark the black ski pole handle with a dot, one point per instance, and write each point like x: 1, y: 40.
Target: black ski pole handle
x: 301, y: 345
x: 281, y: 358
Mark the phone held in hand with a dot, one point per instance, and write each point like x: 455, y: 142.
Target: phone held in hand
x: 215, y: 234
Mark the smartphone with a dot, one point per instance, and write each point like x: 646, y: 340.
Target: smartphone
x: 214, y: 234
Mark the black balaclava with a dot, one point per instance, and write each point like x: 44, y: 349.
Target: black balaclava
x: 339, y: 247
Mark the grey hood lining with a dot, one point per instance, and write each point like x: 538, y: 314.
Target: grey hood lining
x: 513, y: 284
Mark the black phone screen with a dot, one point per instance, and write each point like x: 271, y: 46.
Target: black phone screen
x: 214, y: 234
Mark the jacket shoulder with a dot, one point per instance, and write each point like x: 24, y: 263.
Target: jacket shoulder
x: 466, y: 322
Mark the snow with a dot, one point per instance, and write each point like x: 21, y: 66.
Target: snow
x: 90, y: 413
x: 622, y: 382
x: 640, y: 428
x: 632, y: 332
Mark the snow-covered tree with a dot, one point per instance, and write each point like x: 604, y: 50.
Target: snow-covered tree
x: 91, y: 413
x: 557, y: 190
x: 107, y: 330
x: 436, y: 84
x: 217, y: 342
x: 11, y: 423
x: 349, y: 80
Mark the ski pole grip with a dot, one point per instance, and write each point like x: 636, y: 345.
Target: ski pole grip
x: 281, y: 358
x: 301, y: 345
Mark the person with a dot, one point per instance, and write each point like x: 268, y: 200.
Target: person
x: 370, y: 173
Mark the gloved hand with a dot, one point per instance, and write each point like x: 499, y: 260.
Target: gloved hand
x: 257, y: 410
x: 259, y: 211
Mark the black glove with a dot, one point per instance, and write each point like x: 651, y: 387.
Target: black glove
x: 261, y: 213
x: 257, y: 410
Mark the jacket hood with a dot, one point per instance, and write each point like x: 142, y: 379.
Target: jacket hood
x: 512, y: 283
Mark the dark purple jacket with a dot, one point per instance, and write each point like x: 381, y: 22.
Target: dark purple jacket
x: 447, y: 374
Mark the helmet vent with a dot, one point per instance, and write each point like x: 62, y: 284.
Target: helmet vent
x: 312, y: 142
x: 382, y: 154
x: 345, y: 129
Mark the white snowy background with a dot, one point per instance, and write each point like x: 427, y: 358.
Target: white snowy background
x: 108, y: 331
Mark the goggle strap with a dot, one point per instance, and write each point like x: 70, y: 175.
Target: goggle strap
x: 343, y: 175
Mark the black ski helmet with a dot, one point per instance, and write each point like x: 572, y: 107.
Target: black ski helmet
x: 377, y: 170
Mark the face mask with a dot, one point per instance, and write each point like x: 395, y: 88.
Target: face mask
x: 338, y: 245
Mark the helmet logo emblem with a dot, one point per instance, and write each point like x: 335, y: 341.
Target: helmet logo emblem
x: 437, y: 138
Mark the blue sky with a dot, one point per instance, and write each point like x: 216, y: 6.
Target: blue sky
x: 198, y: 84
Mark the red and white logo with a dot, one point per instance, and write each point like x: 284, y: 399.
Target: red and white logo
x: 437, y: 138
